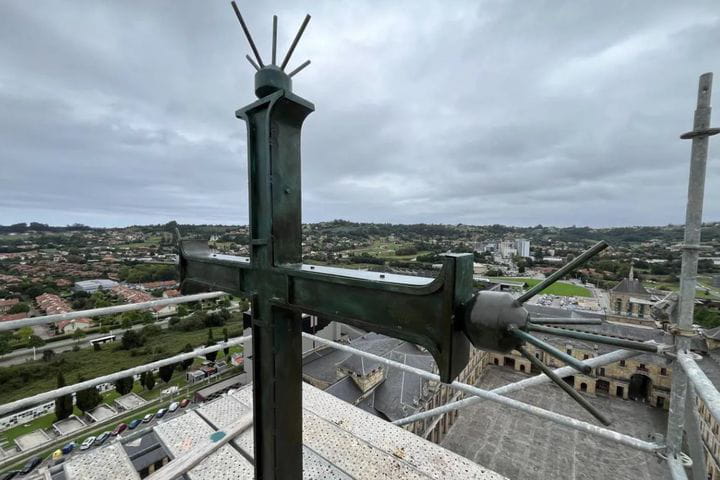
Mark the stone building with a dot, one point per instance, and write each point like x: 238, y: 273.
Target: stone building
x: 630, y: 302
x: 387, y: 392
x: 644, y: 378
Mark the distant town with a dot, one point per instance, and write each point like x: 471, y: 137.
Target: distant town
x: 52, y: 270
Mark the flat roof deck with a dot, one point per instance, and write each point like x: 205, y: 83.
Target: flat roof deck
x: 340, y: 442
x: 32, y: 439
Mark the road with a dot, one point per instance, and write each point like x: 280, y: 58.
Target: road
x: 24, y: 354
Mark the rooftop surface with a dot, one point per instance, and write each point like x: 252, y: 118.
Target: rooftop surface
x: 524, y: 447
x: 340, y: 442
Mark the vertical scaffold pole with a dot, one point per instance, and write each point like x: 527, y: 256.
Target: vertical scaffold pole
x: 690, y: 253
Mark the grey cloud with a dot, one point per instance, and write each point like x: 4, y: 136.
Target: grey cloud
x: 473, y: 112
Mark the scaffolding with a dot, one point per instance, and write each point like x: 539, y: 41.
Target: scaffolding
x: 689, y: 381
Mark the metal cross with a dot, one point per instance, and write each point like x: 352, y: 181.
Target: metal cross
x: 439, y: 314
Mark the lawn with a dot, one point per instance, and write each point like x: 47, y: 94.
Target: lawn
x: 562, y: 289
x: 89, y: 363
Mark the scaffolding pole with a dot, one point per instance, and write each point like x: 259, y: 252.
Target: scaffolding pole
x: 594, y: 362
x: 98, y: 312
x: 683, y: 316
x: 570, y: 422
x: 704, y: 388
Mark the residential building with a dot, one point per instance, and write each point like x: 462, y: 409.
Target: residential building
x: 522, y: 247
x: 90, y: 286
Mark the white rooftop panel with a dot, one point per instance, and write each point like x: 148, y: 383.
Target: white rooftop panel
x: 427, y: 457
x: 103, y: 463
x: 184, y: 433
x: 358, y: 445
x: 224, y: 411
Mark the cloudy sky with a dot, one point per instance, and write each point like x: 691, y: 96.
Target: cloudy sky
x: 560, y: 113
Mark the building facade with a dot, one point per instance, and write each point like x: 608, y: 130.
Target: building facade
x: 630, y: 302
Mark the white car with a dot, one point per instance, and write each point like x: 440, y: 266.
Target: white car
x: 173, y: 406
x: 87, y: 443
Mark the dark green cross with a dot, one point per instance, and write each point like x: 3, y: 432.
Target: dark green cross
x: 439, y: 314
x: 281, y: 287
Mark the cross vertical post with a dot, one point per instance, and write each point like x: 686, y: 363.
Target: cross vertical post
x: 273, y: 140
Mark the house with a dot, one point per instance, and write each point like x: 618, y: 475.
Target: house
x: 7, y: 303
x: 70, y: 326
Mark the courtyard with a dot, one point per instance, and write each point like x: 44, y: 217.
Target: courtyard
x: 524, y: 447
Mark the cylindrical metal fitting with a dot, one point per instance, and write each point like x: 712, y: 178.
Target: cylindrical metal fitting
x: 270, y: 79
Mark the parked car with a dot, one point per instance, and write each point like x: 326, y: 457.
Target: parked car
x: 161, y: 413
x: 173, y: 406
x: 68, y: 447
x: 102, y: 437
x: 185, y: 402
x: 10, y: 475
x: 119, y: 429
x: 147, y: 418
x: 132, y: 425
x: 30, y: 465
x: 87, y: 443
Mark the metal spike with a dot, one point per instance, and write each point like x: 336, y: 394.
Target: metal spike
x: 295, y: 42
x: 297, y: 70
x: 247, y: 33
x: 274, y: 41
x: 546, y: 347
x: 593, y: 337
x: 252, y: 62
x: 562, y: 384
x: 585, y: 256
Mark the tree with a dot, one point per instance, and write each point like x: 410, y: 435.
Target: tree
x: 182, y: 310
x: 226, y: 350
x: 210, y: 342
x: 64, y: 404
x: 124, y: 385
x: 34, y: 341
x: 25, y: 333
x: 149, y: 381
x: 48, y: 355
x: 77, y: 335
x: 19, y: 308
x: 165, y: 372
x: 185, y: 364
x: 87, y: 399
x: 4, y: 346
x: 131, y: 339
x: 143, y: 375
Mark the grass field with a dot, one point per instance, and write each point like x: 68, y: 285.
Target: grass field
x: 562, y: 289
x: 46, y: 421
x: 89, y: 363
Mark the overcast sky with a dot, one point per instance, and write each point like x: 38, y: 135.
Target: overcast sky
x: 519, y: 113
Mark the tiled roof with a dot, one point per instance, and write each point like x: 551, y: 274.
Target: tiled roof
x: 632, y: 286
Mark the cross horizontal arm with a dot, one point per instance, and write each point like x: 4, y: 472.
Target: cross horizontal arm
x: 415, y: 309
